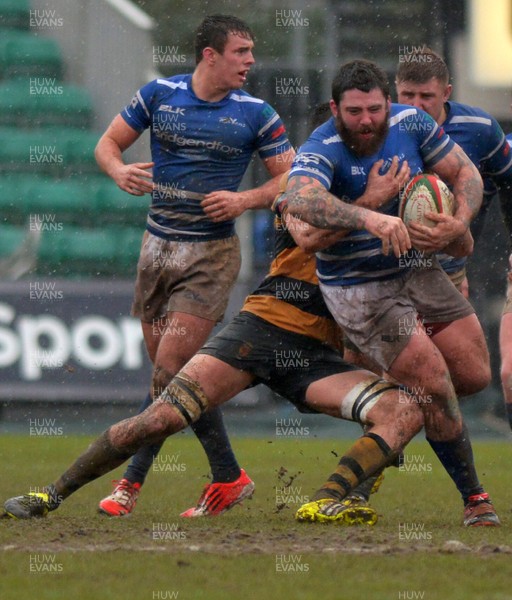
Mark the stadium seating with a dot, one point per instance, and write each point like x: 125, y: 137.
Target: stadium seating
x: 24, y: 54
x: 49, y: 179
x: 10, y: 238
x: 130, y: 239
x: 14, y: 14
x: 118, y: 207
x: 13, y: 191
x: 79, y: 147
x: 89, y: 227
x: 58, y: 152
x: 68, y: 201
x: 73, y: 251
x: 25, y: 102
x: 85, y: 201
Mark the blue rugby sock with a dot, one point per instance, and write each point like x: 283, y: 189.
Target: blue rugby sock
x: 210, y: 431
x: 143, y: 459
x: 456, y: 457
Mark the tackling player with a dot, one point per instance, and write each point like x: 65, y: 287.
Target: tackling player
x: 204, y: 131
x: 380, y: 302
x: 424, y: 82
x: 285, y: 315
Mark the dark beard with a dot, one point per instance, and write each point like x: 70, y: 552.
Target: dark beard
x: 360, y: 147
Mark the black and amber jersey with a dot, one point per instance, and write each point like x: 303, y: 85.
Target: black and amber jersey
x: 289, y: 296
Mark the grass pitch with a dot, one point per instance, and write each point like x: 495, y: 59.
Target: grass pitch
x: 418, y: 549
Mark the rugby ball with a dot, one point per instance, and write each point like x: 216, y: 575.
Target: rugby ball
x: 423, y: 194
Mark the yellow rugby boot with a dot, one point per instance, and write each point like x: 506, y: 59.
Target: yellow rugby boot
x: 347, y: 512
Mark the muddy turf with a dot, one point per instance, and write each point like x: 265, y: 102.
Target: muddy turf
x: 418, y: 548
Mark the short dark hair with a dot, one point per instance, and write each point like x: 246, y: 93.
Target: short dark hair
x: 362, y: 75
x: 214, y: 31
x: 421, y: 65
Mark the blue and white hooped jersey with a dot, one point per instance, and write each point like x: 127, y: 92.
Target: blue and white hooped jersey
x: 199, y: 147
x: 413, y: 136
x: 483, y: 140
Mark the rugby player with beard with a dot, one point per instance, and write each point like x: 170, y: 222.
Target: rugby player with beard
x: 384, y: 305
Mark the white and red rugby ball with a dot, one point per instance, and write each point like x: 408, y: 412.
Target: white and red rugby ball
x: 423, y: 194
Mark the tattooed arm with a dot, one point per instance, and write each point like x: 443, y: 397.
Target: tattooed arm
x: 379, y: 189
x: 306, y: 199
x: 458, y: 171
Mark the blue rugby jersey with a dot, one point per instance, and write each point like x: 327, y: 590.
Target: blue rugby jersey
x: 483, y: 140
x: 199, y: 147
x: 413, y: 136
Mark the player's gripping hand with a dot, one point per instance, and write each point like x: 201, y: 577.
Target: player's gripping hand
x: 390, y: 230
x: 222, y: 205
x: 382, y: 187
x: 133, y: 178
x: 432, y: 239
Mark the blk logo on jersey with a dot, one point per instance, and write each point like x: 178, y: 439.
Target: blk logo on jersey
x: 357, y: 170
x: 176, y: 110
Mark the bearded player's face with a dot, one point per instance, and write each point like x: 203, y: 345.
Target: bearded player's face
x: 362, y: 120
